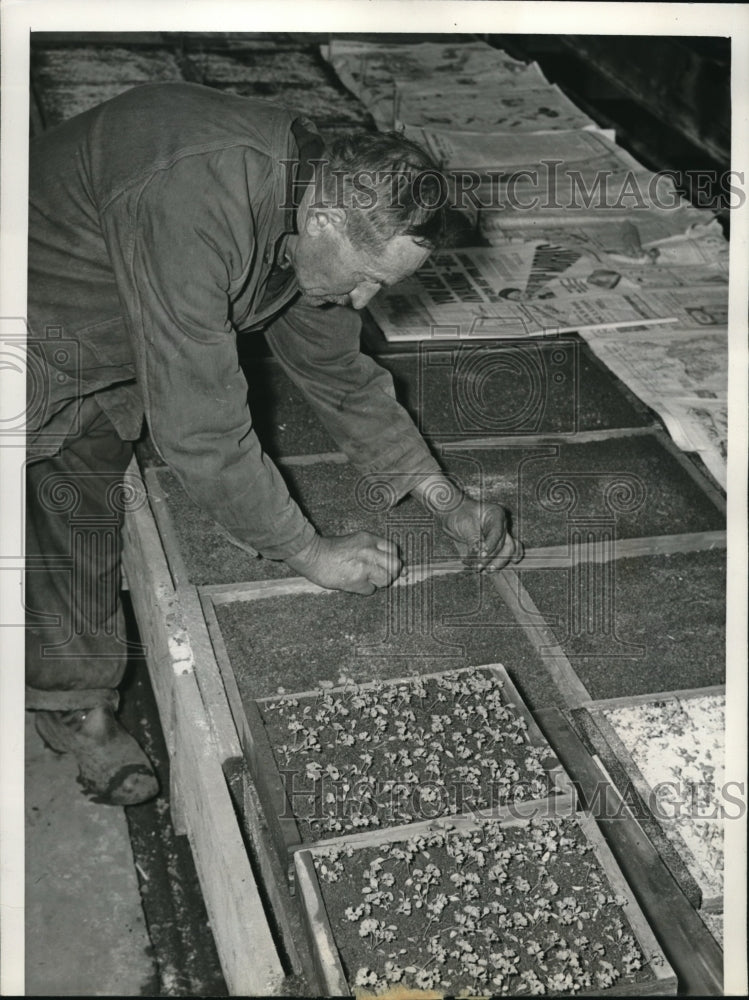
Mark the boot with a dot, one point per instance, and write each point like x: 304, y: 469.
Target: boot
x: 114, y: 770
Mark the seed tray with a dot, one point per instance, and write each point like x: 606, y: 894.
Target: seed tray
x: 626, y: 488
x: 681, y: 774
x: 630, y: 626
x: 353, y: 927
x: 293, y: 634
x: 283, y: 419
x: 360, y: 768
x: 507, y: 388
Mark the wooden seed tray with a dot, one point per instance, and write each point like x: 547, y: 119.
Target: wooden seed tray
x: 614, y: 751
x: 332, y: 979
x: 278, y: 806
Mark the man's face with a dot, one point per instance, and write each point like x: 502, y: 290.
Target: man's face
x: 329, y: 269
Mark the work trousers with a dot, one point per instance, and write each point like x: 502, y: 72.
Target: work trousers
x: 76, y: 645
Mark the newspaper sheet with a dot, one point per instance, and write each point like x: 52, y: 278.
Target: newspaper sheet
x: 701, y: 426
x: 682, y: 374
x: 563, y: 199
x: 508, y: 153
x: 370, y: 69
x: 528, y: 291
x: 490, y: 104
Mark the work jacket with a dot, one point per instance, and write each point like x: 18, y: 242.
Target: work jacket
x: 155, y: 225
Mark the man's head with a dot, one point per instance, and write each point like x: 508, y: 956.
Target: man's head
x: 371, y: 217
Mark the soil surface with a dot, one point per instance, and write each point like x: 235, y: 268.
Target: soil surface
x: 295, y: 642
x: 509, y: 388
x: 630, y: 486
x: 524, y: 909
x: 284, y: 420
x: 404, y: 752
x: 669, y: 622
x: 207, y: 553
x: 627, y: 488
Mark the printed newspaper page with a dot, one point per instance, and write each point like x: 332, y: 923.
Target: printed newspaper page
x: 682, y: 374
x: 508, y: 153
x: 370, y: 69
x: 489, y: 104
x: 632, y: 208
x: 537, y: 289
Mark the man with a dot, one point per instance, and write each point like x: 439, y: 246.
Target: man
x: 162, y: 224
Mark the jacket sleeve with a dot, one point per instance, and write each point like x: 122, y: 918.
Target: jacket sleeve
x: 353, y: 396
x: 179, y: 250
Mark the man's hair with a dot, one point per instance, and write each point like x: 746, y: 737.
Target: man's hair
x: 388, y: 186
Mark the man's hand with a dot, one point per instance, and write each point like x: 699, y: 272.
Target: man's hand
x: 479, y: 529
x: 359, y: 563
x: 481, y: 535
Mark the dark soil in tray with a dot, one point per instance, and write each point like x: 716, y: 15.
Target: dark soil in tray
x: 672, y: 607
x: 402, y: 752
x: 514, y: 911
x: 296, y: 641
x: 529, y: 388
x: 284, y: 420
x: 633, y: 482
x: 208, y: 555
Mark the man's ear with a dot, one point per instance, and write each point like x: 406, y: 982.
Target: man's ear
x: 321, y: 219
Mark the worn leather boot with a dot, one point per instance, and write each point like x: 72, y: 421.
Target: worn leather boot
x: 114, y: 770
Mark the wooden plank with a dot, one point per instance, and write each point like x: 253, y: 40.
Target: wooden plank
x: 688, y: 944
x: 516, y: 815
x: 705, y: 484
x: 228, y: 593
x: 274, y: 877
x: 333, y: 457
x: 629, y: 700
x: 543, y: 557
x: 561, y: 673
x: 331, y: 979
x: 255, y: 749
x: 462, y: 443
x: 155, y: 607
x: 160, y: 508
x: 202, y: 802
x: 248, y: 953
x: 322, y: 939
x: 208, y: 676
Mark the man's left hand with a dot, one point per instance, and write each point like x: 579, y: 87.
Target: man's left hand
x: 481, y: 534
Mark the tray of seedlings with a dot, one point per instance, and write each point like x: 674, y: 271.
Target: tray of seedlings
x: 669, y: 749
x: 507, y: 907
x: 357, y: 760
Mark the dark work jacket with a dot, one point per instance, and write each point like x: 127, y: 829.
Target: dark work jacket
x: 154, y: 224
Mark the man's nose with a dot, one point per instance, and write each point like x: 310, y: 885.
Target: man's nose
x: 363, y: 293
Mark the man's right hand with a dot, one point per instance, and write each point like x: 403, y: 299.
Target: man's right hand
x: 360, y: 563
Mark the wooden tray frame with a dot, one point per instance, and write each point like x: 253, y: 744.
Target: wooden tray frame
x: 613, y: 747
x: 200, y: 738
x: 283, y: 829
x: 332, y: 979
